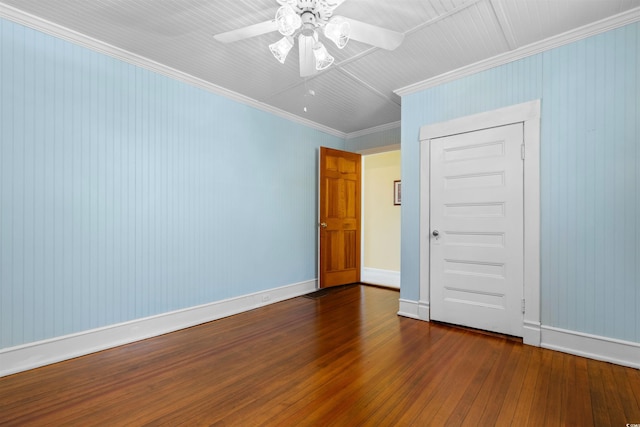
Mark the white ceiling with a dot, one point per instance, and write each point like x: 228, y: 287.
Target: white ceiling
x: 356, y: 92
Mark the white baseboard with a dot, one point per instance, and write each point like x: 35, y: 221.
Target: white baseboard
x: 531, y: 333
x: 414, y: 309
x: 620, y: 352
x: 375, y: 276
x: 33, y: 355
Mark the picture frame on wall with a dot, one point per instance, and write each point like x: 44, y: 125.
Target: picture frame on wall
x: 397, y: 193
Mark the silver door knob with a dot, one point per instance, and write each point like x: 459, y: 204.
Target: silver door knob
x: 435, y: 233
x: 323, y: 224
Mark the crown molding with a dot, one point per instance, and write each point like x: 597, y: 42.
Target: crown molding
x: 613, y: 22
x: 375, y: 129
x: 28, y: 20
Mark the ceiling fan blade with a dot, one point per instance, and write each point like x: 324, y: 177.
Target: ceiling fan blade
x: 373, y: 35
x: 247, y: 32
x: 307, y: 60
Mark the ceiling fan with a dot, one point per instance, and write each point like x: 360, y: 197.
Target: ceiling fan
x: 304, y: 19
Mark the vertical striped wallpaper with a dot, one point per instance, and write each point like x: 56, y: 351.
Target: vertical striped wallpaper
x: 124, y: 193
x: 590, y: 174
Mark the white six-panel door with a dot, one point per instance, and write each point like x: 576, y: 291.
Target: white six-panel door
x: 477, y: 236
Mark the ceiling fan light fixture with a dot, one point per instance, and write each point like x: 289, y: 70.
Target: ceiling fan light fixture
x: 281, y: 48
x: 323, y: 59
x: 338, y: 30
x: 303, y: 19
x: 288, y: 20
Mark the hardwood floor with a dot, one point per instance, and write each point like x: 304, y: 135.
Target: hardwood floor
x: 343, y: 359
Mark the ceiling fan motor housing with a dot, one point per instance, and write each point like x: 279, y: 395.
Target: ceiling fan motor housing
x: 306, y: 4
x: 314, y: 12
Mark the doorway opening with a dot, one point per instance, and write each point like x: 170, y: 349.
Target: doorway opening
x: 379, y: 230
x: 381, y: 218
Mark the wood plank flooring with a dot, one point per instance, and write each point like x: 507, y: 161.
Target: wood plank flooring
x: 343, y: 359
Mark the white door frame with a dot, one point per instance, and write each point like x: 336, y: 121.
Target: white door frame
x: 529, y: 114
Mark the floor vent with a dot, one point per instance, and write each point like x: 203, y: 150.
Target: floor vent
x: 327, y: 291
x: 318, y: 294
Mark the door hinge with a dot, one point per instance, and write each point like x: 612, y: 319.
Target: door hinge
x: 522, y: 151
x: 522, y: 304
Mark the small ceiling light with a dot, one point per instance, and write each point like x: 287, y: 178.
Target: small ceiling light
x: 288, y: 20
x: 281, y: 48
x: 323, y: 59
x: 338, y: 30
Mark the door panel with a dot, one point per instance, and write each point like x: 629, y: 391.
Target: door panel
x: 476, y: 209
x: 339, y: 217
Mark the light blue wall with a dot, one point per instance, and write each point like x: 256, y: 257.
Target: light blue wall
x: 590, y: 174
x: 124, y: 193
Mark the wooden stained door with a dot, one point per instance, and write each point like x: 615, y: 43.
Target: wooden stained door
x: 477, y: 237
x: 340, y: 183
